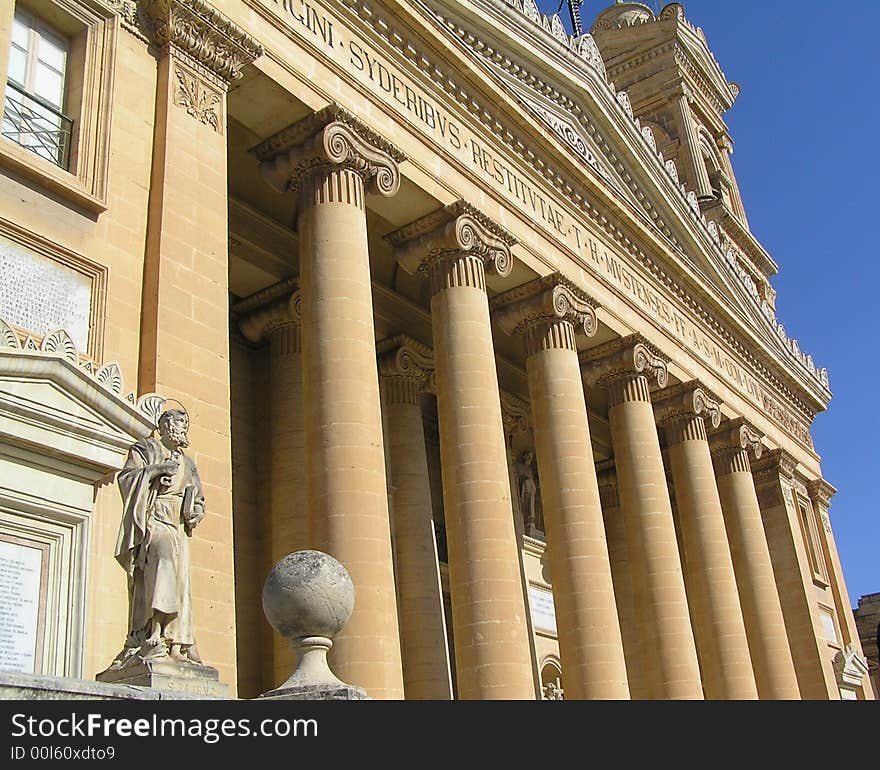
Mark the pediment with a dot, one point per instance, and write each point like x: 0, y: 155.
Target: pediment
x: 563, y: 84
x: 56, y: 407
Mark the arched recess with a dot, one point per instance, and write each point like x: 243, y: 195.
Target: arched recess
x: 551, y: 679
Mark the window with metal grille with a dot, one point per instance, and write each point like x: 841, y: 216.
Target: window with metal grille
x: 33, y: 110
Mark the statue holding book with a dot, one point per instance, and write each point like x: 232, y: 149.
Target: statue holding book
x: 162, y: 503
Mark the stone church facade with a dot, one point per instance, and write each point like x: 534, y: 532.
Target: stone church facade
x: 467, y: 302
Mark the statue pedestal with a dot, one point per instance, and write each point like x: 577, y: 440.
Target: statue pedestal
x: 168, y: 674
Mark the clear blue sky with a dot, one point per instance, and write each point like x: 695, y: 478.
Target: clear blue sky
x: 805, y: 129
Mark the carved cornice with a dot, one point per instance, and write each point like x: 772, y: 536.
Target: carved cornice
x: 405, y: 358
x: 737, y: 434
x: 131, y: 18
x: 331, y: 136
x: 515, y: 414
x: 776, y: 467
x: 821, y: 493
x: 623, y: 357
x: 275, y: 307
x: 204, y: 34
x: 455, y: 229
x: 686, y: 400
x: 549, y: 298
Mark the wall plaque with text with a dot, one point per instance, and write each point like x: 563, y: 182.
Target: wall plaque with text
x: 20, y: 579
x: 41, y: 295
x: 543, y: 611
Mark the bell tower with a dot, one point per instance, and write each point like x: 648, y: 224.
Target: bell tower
x: 676, y: 87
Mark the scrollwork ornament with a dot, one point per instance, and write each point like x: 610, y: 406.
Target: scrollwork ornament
x: 403, y: 358
x: 344, y: 146
x: 644, y: 361
x: 750, y: 439
x: 707, y: 407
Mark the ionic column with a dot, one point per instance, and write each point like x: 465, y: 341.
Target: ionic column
x: 404, y: 368
x: 546, y: 314
x: 488, y: 611
x: 716, y: 614
x: 669, y: 656
x: 621, y: 575
x: 765, y: 627
x: 273, y: 315
x: 774, y: 479
x: 329, y: 158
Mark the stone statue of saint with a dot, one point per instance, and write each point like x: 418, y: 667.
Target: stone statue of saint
x: 162, y: 503
x: 527, y: 489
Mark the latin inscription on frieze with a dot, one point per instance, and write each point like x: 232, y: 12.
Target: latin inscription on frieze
x: 20, y: 573
x: 324, y: 30
x: 41, y: 295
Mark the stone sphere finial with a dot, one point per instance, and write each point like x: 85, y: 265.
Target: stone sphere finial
x: 308, y: 597
x: 308, y: 593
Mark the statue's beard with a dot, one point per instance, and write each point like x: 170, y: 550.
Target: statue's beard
x: 177, y: 436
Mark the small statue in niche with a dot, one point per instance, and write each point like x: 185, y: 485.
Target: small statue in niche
x: 162, y: 503
x: 553, y: 691
x: 529, y: 493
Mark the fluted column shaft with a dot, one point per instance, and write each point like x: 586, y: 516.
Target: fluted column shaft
x: 621, y: 574
x: 544, y: 312
x: 345, y: 464
x: 762, y: 611
x: 273, y: 315
x: 669, y: 653
x: 491, y: 646
x: 329, y: 157
x: 711, y: 584
x: 287, y: 441
x: 492, y: 653
x: 590, y: 646
x: 420, y: 598
x: 287, y: 495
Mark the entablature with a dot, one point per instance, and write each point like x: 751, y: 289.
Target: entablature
x: 547, y: 188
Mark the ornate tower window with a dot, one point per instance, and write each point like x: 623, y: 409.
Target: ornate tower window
x: 33, y: 110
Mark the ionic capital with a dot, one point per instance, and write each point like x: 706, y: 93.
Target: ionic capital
x: 737, y: 434
x: 546, y: 312
x: 202, y: 33
x: 683, y: 402
x: 402, y: 357
x: 333, y: 137
x: 621, y: 359
x: 515, y: 414
x: 448, y: 234
x: 269, y: 310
